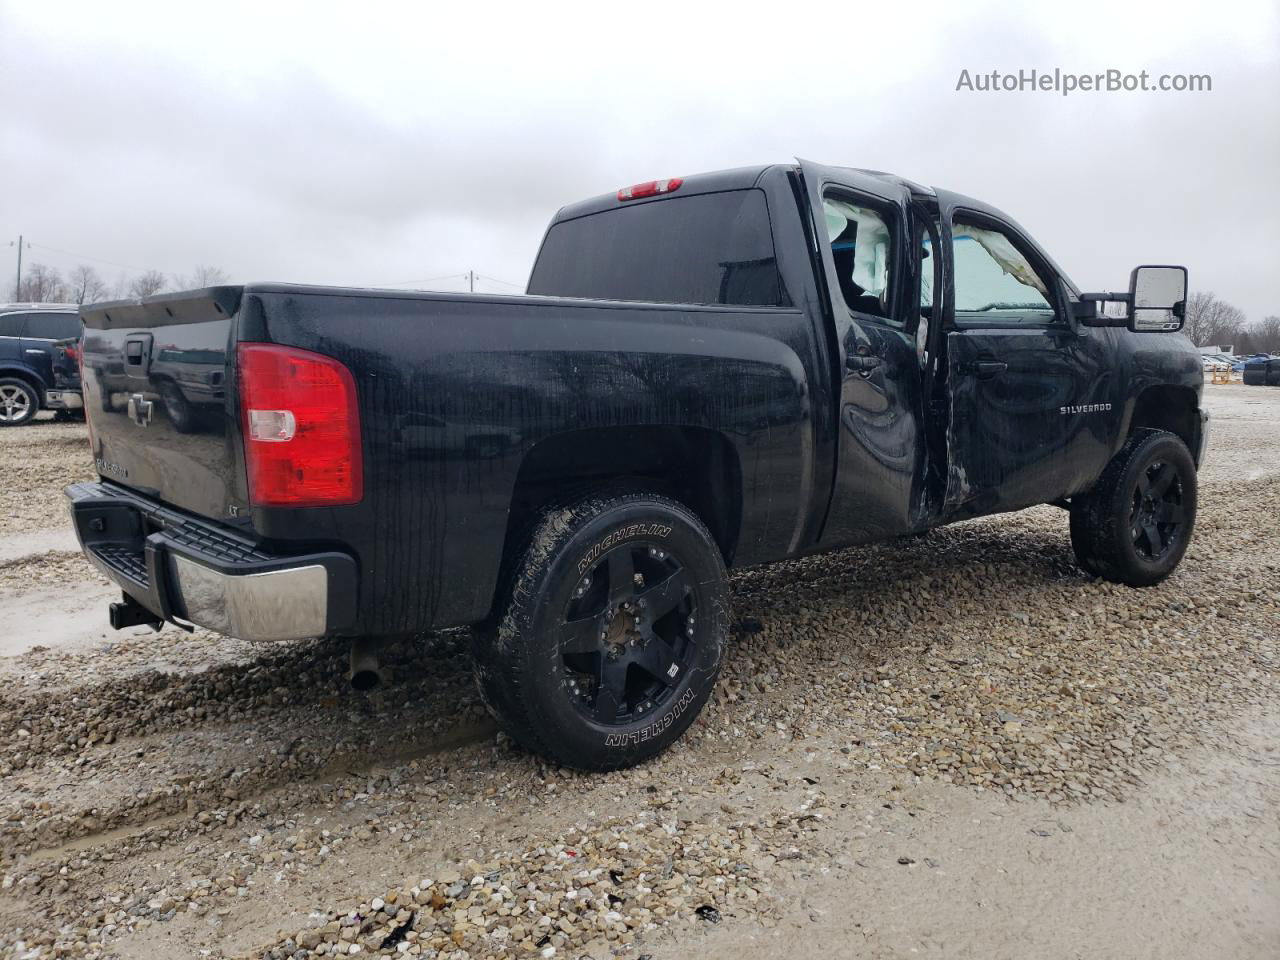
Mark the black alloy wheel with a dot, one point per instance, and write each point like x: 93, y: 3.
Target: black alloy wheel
x: 608, y: 638
x: 627, y: 633
x: 1156, y: 515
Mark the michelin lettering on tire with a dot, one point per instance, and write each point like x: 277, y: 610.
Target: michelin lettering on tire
x: 654, y: 729
x: 622, y: 533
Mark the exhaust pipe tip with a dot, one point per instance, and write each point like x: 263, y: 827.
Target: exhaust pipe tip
x: 363, y: 681
x: 366, y: 672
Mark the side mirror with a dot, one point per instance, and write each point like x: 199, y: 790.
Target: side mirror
x: 1157, y: 299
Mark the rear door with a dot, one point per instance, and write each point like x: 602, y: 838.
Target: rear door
x: 861, y: 229
x: 11, y: 327
x: 1030, y: 392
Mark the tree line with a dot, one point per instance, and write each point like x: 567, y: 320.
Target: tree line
x: 44, y: 284
x: 1214, y: 322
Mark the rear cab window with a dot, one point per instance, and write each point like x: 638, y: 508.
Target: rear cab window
x: 711, y: 248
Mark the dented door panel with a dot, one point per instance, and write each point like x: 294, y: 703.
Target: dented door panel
x: 1032, y: 415
x: 880, y: 440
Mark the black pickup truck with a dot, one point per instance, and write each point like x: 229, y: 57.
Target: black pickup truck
x: 706, y: 373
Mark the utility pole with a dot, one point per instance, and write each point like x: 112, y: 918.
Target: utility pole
x: 17, y: 290
x: 471, y: 279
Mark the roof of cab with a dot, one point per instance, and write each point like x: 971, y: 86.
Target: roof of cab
x: 742, y: 178
x: 38, y: 308
x: 738, y: 178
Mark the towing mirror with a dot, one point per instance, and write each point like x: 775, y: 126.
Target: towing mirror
x: 1157, y: 299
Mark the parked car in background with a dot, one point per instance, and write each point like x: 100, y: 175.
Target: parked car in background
x: 39, y: 367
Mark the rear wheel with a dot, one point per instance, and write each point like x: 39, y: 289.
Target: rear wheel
x: 1136, y: 524
x: 610, y: 643
x: 18, y: 402
x: 181, y: 414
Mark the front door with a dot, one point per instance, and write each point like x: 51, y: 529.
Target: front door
x: 862, y: 230
x: 1018, y: 373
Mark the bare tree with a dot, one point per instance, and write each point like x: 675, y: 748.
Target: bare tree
x: 1265, y: 335
x: 145, y: 284
x: 1212, y: 321
x: 207, y: 276
x: 42, y: 284
x: 86, y: 285
x: 202, y: 276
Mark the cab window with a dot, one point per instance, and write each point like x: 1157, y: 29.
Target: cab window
x: 862, y: 249
x: 704, y: 248
x: 994, y: 280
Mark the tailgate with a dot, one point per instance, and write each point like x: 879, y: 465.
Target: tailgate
x: 156, y: 375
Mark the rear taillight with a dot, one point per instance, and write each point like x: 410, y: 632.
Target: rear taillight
x: 73, y: 351
x: 301, y: 427
x: 93, y: 446
x: 650, y: 188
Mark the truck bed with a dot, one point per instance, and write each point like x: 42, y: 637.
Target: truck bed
x: 462, y: 399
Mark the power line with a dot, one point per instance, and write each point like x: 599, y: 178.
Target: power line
x: 408, y: 283
x: 85, y: 256
x: 471, y: 276
x: 505, y: 283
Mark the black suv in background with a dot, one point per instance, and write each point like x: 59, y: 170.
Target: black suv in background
x: 39, y: 367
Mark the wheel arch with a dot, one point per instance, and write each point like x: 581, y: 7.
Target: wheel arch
x: 1167, y: 407
x: 28, y: 376
x: 697, y: 466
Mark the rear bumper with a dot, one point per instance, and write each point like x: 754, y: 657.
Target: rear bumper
x: 63, y: 400
x: 190, y: 571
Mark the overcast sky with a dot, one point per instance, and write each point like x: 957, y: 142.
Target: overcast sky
x: 388, y: 145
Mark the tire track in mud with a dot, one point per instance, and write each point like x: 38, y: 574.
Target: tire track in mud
x: 125, y: 753
x: 358, y: 762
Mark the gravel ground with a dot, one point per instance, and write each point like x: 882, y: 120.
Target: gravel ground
x: 41, y: 459
x: 952, y: 745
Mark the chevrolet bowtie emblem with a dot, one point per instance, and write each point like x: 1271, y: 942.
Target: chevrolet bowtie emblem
x: 139, y: 409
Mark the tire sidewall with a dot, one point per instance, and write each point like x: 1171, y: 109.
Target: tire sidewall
x: 1170, y: 449
x: 540, y: 612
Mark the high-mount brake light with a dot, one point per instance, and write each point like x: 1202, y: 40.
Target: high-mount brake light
x: 650, y: 188
x: 301, y: 427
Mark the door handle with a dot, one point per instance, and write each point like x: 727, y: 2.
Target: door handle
x: 985, y: 369
x: 862, y: 364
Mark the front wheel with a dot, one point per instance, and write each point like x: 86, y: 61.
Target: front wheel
x: 1136, y: 524
x: 611, y: 640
